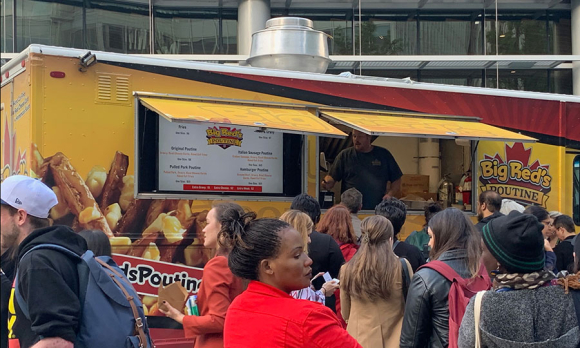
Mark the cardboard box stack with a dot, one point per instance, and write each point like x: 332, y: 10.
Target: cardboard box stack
x: 415, y: 191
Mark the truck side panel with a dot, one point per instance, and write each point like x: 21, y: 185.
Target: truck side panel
x: 16, y: 123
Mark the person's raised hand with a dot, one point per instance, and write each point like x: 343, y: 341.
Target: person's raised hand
x: 330, y: 287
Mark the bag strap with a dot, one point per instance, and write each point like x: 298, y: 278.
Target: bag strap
x: 406, y: 277
x: 395, y: 244
x: 444, y: 269
x: 477, y: 316
x: 17, y: 294
x: 138, y: 321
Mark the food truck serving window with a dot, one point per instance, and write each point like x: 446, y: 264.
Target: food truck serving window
x: 194, y: 147
x: 419, y: 158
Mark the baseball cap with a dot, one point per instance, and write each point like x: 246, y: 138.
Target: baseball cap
x: 28, y: 194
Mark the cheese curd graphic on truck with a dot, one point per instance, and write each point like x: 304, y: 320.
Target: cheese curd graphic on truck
x: 142, y: 148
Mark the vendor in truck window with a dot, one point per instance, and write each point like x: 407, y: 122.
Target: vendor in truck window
x: 367, y: 168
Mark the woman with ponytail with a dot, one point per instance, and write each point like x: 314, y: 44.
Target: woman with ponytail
x: 372, y: 289
x: 218, y: 288
x: 272, y: 256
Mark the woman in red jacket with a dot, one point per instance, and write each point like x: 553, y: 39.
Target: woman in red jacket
x: 271, y: 254
x: 217, y: 290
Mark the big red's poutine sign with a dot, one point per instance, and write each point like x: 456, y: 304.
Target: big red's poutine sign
x: 147, y: 276
x: 516, y: 175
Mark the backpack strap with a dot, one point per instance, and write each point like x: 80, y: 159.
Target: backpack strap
x: 406, y: 277
x: 396, y: 243
x: 17, y: 294
x: 477, y: 316
x: 138, y: 321
x: 444, y: 269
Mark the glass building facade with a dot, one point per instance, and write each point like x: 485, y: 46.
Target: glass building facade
x: 210, y: 27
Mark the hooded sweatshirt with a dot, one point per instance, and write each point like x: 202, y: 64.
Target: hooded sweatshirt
x: 538, y: 318
x: 49, y: 283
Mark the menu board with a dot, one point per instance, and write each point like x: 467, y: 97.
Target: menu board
x: 219, y: 158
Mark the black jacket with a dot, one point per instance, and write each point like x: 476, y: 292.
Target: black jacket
x: 326, y: 257
x: 409, y: 252
x: 8, y: 263
x: 485, y: 220
x: 565, y: 255
x: 48, y: 281
x: 426, y: 320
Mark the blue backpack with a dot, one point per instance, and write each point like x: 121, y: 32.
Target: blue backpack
x: 111, y: 313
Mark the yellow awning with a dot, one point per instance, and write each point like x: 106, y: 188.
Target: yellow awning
x: 416, y: 125
x: 288, y: 119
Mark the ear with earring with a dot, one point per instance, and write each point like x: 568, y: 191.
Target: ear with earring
x: 495, y: 272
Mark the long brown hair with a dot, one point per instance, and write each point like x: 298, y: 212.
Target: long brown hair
x: 373, y: 271
x: 453, y: 230
x: 338, y: 224
x: 301, y: 223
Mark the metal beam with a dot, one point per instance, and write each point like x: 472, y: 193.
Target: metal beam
x: 553, y: 3
x: 422, y: 3
x: 287, y: 4
x: 488, y: 3
x: 488, y: 62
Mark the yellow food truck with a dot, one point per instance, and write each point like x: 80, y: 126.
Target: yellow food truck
x: 140, y: 147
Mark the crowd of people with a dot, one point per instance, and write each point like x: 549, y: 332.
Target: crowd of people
x: 508, y: 281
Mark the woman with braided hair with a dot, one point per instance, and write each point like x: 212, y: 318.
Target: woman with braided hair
x: 218, y: 288
x: 272, y: 256
x: 523, y: 308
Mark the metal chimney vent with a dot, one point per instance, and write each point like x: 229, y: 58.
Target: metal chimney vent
x: 290, y: 43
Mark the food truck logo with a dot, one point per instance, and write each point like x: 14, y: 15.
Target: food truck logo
x: 514, y: 177
x: 224, y: 137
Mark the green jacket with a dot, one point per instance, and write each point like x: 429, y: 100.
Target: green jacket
x: 420, y: 239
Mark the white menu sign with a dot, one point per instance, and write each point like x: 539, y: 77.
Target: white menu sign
x: 219, y: 158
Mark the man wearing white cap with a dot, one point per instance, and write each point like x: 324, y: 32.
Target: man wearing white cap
x: 47, y: 279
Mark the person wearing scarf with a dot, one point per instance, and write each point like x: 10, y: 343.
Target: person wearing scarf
x: 523, y: 308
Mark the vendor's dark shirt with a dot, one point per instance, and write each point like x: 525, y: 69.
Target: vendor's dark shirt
x: 367, y: 172
x: 565, y: 254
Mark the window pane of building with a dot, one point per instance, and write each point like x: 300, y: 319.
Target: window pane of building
x: 118, y: 27
x: 341, y: 33
x: 229, y: 35
x: 451, y: 33
x: 187, y: 31
x: 337, y: 24
x: 49, y: 23
x: 517, y: 34
x: 560, y: 32
x: 561, y: 81
x: 523, y: 80
x: 6, y: 22
x: 387, y: 35
x: 453, y: 77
